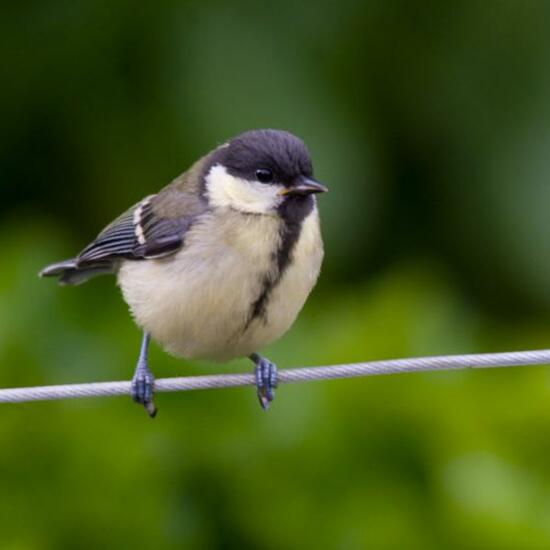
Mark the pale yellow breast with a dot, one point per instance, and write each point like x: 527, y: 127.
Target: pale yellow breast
x: 288, y: 297
x: 196, y: 303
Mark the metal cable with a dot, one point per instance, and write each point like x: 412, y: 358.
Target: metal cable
x: 391, y: 366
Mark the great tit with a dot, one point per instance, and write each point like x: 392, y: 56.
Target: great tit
x: 220, y: 262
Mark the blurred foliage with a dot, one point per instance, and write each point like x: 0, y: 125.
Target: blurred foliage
x: 430, y: 122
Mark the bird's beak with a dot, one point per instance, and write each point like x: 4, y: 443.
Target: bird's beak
x: 304, y: 186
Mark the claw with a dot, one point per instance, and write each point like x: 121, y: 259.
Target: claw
x: 143, y: 386
x: 266, y: 380
x: 143, y: 383
x: 151, y: 409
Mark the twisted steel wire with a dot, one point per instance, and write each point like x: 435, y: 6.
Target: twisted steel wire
x: 351, y: 370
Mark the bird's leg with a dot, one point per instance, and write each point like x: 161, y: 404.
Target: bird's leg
x: 266, y: 379
x: 143, y: 382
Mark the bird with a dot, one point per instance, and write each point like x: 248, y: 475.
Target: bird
x: 219, y: 263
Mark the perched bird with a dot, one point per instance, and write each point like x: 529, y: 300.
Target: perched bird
x: 220, y: 262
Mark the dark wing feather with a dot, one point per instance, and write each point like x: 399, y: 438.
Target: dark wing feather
x: 117, y: 239
x: 153, y: 228
x: 145, y: 231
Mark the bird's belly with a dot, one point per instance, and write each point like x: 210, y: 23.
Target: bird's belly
x: 190, y: 315
x: 197, y: 303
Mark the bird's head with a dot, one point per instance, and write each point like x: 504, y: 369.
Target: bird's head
x: 259, y: 171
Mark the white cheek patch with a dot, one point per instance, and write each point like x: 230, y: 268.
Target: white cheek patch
x: 225, y: 190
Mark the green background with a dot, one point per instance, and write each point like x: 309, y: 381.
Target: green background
x: 430, y: 123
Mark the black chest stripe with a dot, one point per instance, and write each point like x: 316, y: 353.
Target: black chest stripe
x: 293, y: 212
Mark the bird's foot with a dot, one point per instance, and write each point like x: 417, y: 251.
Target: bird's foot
x: 143, y: 388
x: 266, y: 379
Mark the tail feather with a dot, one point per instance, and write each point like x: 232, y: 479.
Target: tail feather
x: 54, y: 270
x: 70, y: 273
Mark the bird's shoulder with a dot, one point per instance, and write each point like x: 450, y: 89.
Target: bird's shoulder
x: 183, y: 196
x: 155, y: 226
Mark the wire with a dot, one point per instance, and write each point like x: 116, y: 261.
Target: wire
x: 391, y: 366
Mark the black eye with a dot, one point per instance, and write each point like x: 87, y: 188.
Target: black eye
x: 264, y: 175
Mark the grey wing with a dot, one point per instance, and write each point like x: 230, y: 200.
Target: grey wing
x: 153, y: 228
x: 140, y: 233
